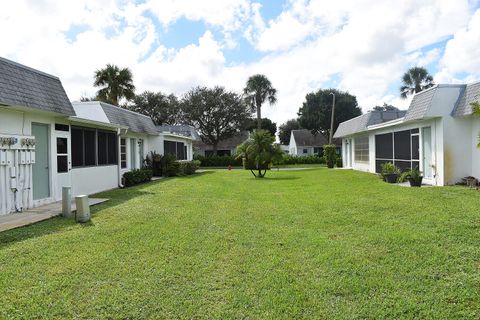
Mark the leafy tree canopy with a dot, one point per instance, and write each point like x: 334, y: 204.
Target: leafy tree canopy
x: 163, y: 109
x: 216, y: 113
x: 285, y: 130
x: 315, y: 113
x: 259, y: 152
x: 267, y: 124
x: 416, y: 79
x: 114, y: 83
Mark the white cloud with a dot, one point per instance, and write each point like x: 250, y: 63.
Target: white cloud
x: 462, y: 53
x: 364, y: 46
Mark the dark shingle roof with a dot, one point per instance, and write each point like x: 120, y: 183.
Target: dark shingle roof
x: 27, y: 87
x: 305, y: 138
x: 361, y: 123
x: 136, y: 122
x: 182, y: 129
x: 420, y: 104
x: 470, y: 94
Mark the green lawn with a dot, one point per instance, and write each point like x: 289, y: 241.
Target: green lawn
x: 331, y: 244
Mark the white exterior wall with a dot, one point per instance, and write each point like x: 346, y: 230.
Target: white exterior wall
x: 475, y: 148
x: 90, y: 180
x: 156, y: 143
x: 437, y: 147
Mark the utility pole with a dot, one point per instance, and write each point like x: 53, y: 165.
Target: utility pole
x: 331, y: 122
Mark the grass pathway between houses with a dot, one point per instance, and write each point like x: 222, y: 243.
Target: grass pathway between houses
x: 331, y: 244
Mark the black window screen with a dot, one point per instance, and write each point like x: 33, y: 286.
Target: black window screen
x: 77, y: 147
x: 180, y: 151
x: 416, y: 147
x: 384, y: 146
x: 402, y: 145
x: 112, y: 148
x: 62, y: 164
x: 169, y: 147
x: 89, y: 138
x: 102, y: 148
x: 400, y: 148
x: 62, y: 146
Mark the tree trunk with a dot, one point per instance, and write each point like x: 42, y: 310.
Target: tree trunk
x: 215, y: 147
x: 259, y: 116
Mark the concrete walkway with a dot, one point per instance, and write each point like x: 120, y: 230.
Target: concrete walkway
x: 20, y: 219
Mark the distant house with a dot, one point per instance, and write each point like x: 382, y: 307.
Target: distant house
x: 225, y: 147
x: 438, y: 133
x: 47, y: 143
x: 304, y: 143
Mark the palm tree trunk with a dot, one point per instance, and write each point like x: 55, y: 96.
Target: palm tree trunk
x: 259, y: 116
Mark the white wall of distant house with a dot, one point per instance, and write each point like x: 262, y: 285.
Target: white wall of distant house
x: 475, y: 149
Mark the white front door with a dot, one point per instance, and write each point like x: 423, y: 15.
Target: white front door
x: 427, y: 152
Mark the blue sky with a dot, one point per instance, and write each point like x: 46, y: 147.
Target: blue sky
x: 362, y: 47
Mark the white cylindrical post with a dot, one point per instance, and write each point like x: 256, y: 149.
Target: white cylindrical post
x: 83, y: 209
x: 67, y: 202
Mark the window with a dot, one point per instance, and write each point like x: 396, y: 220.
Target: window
x: 62, y: 127
x: 77, y: 147
x: 91, y: 147
x: 401, y: 148
x: 132, y: 154
x: 107, y: 148
x: 318, y: 150
x: 362, y: 149
x: 305, y: 151
x: 62, y: 155
x: 178, y: 149
x: 123, y: 153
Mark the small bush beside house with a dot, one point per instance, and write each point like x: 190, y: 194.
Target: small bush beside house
x: 329, y: 152
x: 137, y: 176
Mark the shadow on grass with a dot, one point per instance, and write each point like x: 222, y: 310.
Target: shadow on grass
x: 57, y: 224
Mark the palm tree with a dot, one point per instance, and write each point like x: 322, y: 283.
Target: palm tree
x: 116, y: 84
x: 258, y: 90
x: 415, y: 80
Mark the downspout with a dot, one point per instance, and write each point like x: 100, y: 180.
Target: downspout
x: 119, y: 158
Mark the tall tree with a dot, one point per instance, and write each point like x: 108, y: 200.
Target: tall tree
x: 385, y: 107
x: 216, y: 113
x: 267, y: 124
x: 258, y: 90
x: 415, y: 80
x: 163, y: 109
x: 315, y: 113
x: 115, y: 84
x: 285, y: 130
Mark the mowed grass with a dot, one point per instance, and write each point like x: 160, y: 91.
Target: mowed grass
x: 311, y: 244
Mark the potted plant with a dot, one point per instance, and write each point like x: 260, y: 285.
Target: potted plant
x: 415, y: 177
x: 390, y: 172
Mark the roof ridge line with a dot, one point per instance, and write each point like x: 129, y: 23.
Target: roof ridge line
x: 28, y: 68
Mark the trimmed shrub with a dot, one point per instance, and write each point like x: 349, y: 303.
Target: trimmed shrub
x: 312, y: 159
x: 173, y: 169
x: 329, y: 152
x: 153, y: 161
x: 189, y: 167
x: 137, y: 176
x: 339, y: 162
x: 218, y: 161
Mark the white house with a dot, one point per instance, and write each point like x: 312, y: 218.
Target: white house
x: 438, y: 133
x: 47, y: 143
x: 304, y: 143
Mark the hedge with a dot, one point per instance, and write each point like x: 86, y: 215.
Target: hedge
x: 312, y: 159
x: 218, y: 161
x: 137, y: 176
